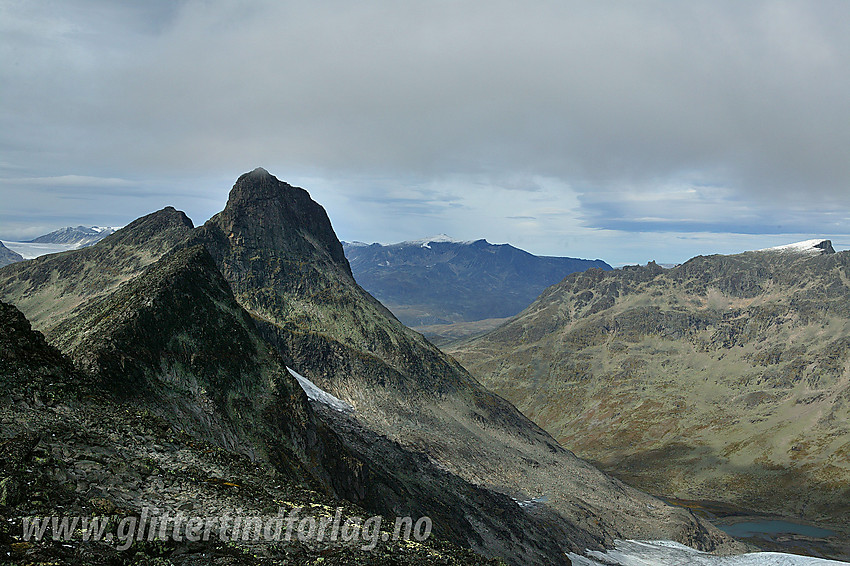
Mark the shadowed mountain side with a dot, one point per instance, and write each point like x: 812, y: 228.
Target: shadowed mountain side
x: 724, y: 379
x: 175, y: 339
x: 8, y: 256
x: 123, y: 448
x: 290, y: 276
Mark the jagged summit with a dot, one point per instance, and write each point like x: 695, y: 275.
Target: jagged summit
x: 265, y: 213
x: 808, y: 247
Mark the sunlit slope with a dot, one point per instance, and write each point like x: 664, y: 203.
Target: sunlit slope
x: 726, y: 378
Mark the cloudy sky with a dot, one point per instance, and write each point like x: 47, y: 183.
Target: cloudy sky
x: 623, y: 130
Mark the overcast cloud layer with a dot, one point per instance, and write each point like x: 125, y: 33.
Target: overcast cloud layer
x: 622, y: 130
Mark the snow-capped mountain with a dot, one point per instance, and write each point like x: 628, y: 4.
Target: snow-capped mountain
x: 62, y: 240
x: 80, y: 236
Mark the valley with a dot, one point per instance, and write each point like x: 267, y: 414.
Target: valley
x: 724, y: 379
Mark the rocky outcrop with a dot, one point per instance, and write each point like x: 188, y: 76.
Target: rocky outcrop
x: 124, y: 454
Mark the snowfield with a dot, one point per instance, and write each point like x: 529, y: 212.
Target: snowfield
x: 804, y: 247
x: 668, y: 553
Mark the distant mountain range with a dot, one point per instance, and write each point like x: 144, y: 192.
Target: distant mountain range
x: 80, y: 236
x: 442, y: 281
x: 724, y: 381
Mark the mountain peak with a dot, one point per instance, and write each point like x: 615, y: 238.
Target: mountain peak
x: 260, y: 172
x: 153, y: 225
x: 266, y: 214
x: 259, y: 184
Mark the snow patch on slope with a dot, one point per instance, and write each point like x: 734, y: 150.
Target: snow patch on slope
x: 314, y: 393
x: 664, y: 553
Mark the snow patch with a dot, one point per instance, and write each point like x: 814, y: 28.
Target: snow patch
x: 807, y: 247
x: 438, y: 239
x: 529, y: 503
x: 664, y: 553
x: 319, y: 395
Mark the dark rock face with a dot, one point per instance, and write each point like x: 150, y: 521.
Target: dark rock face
x: 29, y: 365
x: 7, y: 256
x: 88, y: 451
x: 439, y: 282
x: 264, y: 213
x: 826, y: 246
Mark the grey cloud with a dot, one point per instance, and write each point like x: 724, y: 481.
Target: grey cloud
x: 601, y: 91
x: 711, y: 210
x: 605, y: 97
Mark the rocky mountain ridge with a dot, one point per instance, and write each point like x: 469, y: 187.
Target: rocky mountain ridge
x: 424, y: 436
x: 80, y: 444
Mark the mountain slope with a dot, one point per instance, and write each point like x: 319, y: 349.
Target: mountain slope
x: 175, y: 339
x: 724, y: 379
x: 148, y: 440
x: 292, y: 276
x: 441, y: 281
x: 424, y: 436
x: 7, y: 256
x: 48, y: 287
